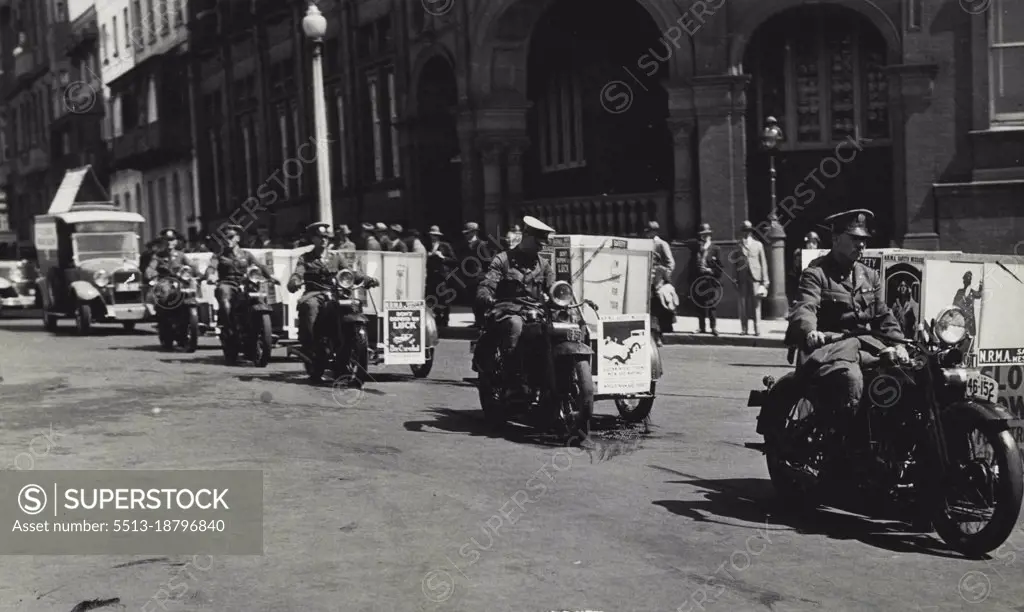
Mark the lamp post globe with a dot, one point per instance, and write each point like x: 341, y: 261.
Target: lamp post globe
x: 314, y: 24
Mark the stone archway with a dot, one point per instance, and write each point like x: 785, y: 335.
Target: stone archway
x: 438, y: 159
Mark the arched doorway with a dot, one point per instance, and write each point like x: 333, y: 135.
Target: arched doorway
x: 437, y: 144
x: 597, y: 122
x: 819, y: 70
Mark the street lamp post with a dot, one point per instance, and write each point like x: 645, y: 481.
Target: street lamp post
x: 777, y: 305
x: 314, y: 25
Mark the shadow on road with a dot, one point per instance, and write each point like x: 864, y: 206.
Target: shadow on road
x: 754, y: 500
x: 299, y: 377
x: 68, y: 330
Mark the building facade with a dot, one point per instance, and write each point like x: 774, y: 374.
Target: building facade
x: 143, y: 46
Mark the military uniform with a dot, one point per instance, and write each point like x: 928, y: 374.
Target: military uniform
x: 514, y: 274
x: 231, y: 266
x: 833, y: 297
x: 168, y: 260
x: 315, y: 270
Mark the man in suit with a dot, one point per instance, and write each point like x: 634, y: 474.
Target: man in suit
x: 664, y: 264
x: 705, y: 271
x: 381, y: 232
x: 751, y: 278
x: 367, y: 241
x: 343, y: 243
x: 440, y: 262
x: 395, y: 242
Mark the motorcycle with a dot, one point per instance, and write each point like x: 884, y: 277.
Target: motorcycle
x: 341, y: 342
x: 911, y: 451
x: 250, y: 328
x: 556, y: 375
x: 177, y: 309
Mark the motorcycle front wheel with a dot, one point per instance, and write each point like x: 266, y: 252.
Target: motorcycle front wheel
x: 983, y: 491
x: 263, y: 341
x: 165, y: 330
x: 229, y: 343
x: 578, y: 403
x: 359, y: 357
x: 191, y: 332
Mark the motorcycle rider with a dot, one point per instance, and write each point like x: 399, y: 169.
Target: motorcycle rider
x: 170, y: 257
x: 517, y: 272
x: 230, y: 266
x: 838, y: 293
x: 315, y: 269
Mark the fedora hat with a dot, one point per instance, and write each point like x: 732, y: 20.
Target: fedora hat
x: 705, y: 229
x: 435, y: 231
x: 343, y: 230
x: 747, y: 226
x: 470, y: 227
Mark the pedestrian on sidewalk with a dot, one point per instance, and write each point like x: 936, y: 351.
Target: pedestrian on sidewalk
x: 811, y: 242
x: 663, y: 298
x: 751, y: 278
x: 705, y: 287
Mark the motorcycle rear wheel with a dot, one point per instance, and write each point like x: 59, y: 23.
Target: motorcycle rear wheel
x: 785, y: 407
x: 491, y: 391
x: 263, y: 342
x: 165, y: 330
x: 1007, y: 491
x: 229, y: 345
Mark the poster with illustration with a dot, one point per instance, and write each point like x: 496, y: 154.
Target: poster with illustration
x: 956, y: 283
x: 623, y: 354
x: 904, y: 276
x: 1010, y: 382
x: 604, y: 279
x: 404, y: 332
x: 1001, y: 335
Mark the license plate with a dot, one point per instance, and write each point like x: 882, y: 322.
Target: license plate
x: 255, y: 294
x: 574, y: 335
x: 982, y: 387
x: 128, y: 287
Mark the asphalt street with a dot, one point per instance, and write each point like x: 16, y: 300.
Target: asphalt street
x: 398, y: 499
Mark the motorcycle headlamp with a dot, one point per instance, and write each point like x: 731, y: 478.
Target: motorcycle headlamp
x: 950, y: 326
x: 101, y: 278
x: 254, y: 275
x: 346, y: 279
x: 16, y: 275
x: 185, y: 274
x: 561, y: 294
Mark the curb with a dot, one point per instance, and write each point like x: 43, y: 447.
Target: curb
x: 469, y: 333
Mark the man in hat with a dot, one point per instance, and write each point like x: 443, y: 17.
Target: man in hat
x: 705, y: 272
x: 230, y: 266
x: 663, y: 315
x: 343, y: 243
x: 367, y: 241
x: 512, y: 237
x: 811, y: 242
x: 751, y: 278
x: 475, y: 258
x: 413, y: 242
x: 440, y: 261
x: 381, y: 232
x: 170, y: 257
x: 315, y: 270
x: 519, y: 272
x: 838, y: 293
x: 395, y: 242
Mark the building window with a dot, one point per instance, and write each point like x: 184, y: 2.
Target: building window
x: 178, y: 19
x: 378, y: 152
x: 151, y: 206
x: 138, y: 30
x: 825, y: 83
x: 215, y: 158
x: 1006, y: 61
x: 165, y: 18
x: 396, y: 163
x: 247, y: 153
x: 560, y: 123
x: 127, y: 30
x: 113, y: 28
x: 151, y: 24
x: 117, y: 201
x: 103, y: 44
x: 128, y: 201
x: 176, y: 193
x: 342, y: 156
x: 296, y: 125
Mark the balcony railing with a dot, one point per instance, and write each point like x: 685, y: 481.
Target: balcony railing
x: 606, y: 215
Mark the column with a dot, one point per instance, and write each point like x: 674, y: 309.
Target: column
x: 490, y: 153
x: 720, y: 103
x: 471, y: 190
x: 514, y: 195
x: 684, y: 206
x: 910, y: 96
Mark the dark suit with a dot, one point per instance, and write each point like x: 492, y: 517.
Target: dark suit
x: 832, y: 298
x: 705, y: 287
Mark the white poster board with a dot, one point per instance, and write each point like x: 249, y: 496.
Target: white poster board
x: 1001, y: 338
x: 404, y: 332
x: 623, y: 354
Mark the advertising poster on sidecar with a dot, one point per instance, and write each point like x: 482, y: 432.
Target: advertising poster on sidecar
x: 1001, y: 337
x: 404, y: 332
x: 956, y: 283
x: 623, y: 354
x: 903, y: 289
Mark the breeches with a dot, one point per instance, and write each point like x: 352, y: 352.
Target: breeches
x: 309, y: 309
x: 843, y: 382
x: 225, y: 295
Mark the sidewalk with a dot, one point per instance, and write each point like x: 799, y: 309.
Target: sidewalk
x: 772, y: 332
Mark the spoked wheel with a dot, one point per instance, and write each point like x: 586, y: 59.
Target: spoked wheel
x: 191, y: 333
x: 985, y: 482
x: 422, y: 370
x: 635, y: 410
x: 83, y: 319
x: 359, y: 358
x: 789, y: 425
x: 490, y: 389
x: 577, y: 403
x: 263, y: 342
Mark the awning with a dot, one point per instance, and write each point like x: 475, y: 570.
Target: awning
x: 87, y: 216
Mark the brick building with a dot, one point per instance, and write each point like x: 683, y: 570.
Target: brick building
x: 443, y: 112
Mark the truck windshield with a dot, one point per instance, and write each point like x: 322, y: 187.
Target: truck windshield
x: 92, y: 246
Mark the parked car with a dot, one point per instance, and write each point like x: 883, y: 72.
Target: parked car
x: 18, y: 285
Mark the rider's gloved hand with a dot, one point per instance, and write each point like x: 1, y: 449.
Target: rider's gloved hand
x: 371, y: 282
x: 815, y: 339
x: 902, y: 356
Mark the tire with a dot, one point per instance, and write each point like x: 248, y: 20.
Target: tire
x: 422, y: 370
x: 129, y: 326
x: 490, y: 390
x: 83, y: 319
x: 49, y: 322
x: 263, y: 343
x: 1007, y: 492
x: 359, y: 358
x: 781, y: 402
x: 577, y: 411
x: 192, y: 331
x: 165, y: 330
x: 635, y: 413
x: 229, y: 344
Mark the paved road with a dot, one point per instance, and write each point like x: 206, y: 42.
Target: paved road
x: 401, y: 501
